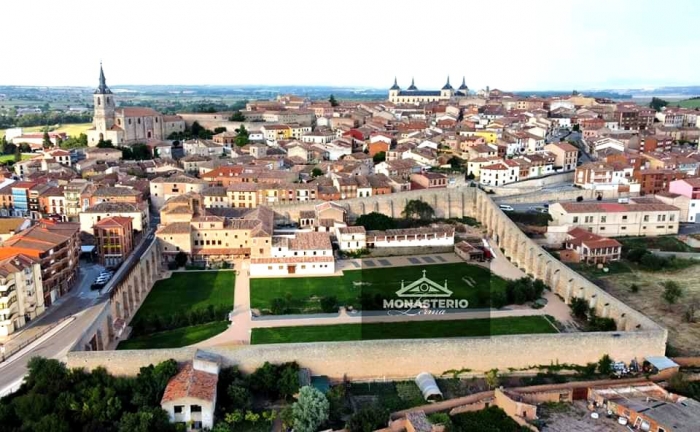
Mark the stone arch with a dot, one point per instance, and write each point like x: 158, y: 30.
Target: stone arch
x: 125, y: 303
x: 144, y: 279
x: 110, y: 328
x: 118, y: 310
x: 137, y: 290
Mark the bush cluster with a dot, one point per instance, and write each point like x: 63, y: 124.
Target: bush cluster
x: 177, y: 319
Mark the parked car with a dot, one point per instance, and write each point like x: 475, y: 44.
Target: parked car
x: 97, y: 286
x: 506, y: 208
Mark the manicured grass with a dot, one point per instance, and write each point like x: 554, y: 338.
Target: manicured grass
x: 175, y: 338
x: 404, y: 330
x: 688, y: 103
x: 664, y: 243
x: 187, y: 291
x: 470, y: 282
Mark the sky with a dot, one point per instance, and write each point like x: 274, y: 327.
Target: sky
x: 505, y: 44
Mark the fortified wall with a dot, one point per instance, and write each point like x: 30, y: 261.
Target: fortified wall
x: 637, y: 335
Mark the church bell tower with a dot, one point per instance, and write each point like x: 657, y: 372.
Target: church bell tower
x: 103, y: 100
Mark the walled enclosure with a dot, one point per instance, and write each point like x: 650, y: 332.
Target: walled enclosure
x: 637, y: 337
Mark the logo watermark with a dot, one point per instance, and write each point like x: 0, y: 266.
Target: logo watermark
x: 424, y: 297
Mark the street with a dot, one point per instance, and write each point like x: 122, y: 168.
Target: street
x: 80, y: 302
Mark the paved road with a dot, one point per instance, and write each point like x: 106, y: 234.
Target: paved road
x: 82, y: 303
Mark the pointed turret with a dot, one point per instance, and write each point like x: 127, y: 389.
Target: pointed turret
x: 464, y: 85
x: 395, y: 86
x: 103, y: 89
x: 413, y: 85
x: 447, y: 85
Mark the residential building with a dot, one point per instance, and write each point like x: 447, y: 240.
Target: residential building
x: 615, y: 219
x: 56, y: 246
x: 653, y: 181
x: 649, y: 407
x: 163, y: 188
x: 190, y: 396
x: 565, y: 155
x: 114, y: 238
x: 439, y: 235
x: 689, y: 188
x: 20, y: 197
x: 352, y: 238
x: 587, y: 247
x: 304, y: 253
x: 499, y: 173
x: 428, y: 180
x: 21, y: 292
x: 92, y: 215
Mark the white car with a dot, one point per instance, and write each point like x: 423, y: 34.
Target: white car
x: 506, y: 208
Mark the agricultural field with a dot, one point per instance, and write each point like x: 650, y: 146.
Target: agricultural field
x: 303, y: 295
x: 69, y: 129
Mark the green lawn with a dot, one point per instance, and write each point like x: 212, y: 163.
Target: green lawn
x: 175, y: 338
x: 404, y: 330
x: 186, y: 291
x: 664, y: 243
x: 378, y: 283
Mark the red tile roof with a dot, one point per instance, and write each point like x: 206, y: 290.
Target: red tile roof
x: 191, y: 383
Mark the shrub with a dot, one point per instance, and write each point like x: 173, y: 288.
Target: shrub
x: 605, y: 365
x: 672, y: 292
x: 579, y: 307
x: 329, y: 304
x: 634, y: 288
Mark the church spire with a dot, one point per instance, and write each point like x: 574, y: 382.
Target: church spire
x: 464, y: 85
x: 447, y: 85
x: 102, y: 89
x: 395, y: 86
x: 413, y: 85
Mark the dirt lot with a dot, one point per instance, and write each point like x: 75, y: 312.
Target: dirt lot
x: 683, y: 337
x: 575, y: 418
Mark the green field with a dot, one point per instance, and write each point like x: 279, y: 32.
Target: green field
x: 304, y: 294
x: 687, y: 103
x: 69, y: 129
x: 404, y: 330
x: 10, y: 158
x: 187, y: 291
x: 175, y: 338
x: 664, y: 243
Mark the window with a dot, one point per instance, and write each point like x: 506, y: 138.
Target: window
x: 646, y: 218
x: 624, y: 217
x: 671, y: 218
x: 603, y: 219
x: 195, y: 408
x: 178, y: 409
x: 623, y: 228
x: 575, y: 219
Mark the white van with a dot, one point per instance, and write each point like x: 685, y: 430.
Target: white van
x: 506, y: 208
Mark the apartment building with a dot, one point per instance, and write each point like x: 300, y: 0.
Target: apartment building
x: 56, y: 246
x: 653, y: 181
x: 114, y: 238
x: 21, y: 292
x: 689, y: 188
x: 93, y: 215
x: 565, y: 155
x: 164, y: 188
x: 614, y: 219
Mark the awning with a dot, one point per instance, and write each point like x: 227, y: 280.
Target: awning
x: 662, y: 362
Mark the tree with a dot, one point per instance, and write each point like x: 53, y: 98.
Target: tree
x: 105, y: 143
x: 492, y: 379
x: 310, y: 410
x: 471, y: 176
x: 368, y: 419
x: 288, y: 381
x: 316, y: 172
x: 3, y: 144
x: 657, y: 104
x: 46, y: 143
x: 242, y: 137
x: 329, y: 304
x: 196, y: 129
x: 379, y: 157
x: 418, y: 209
x: 18, y: 155
x: 334, y: 103
x: 576, y: 128
x: 181, y: 259
x: 264, y: 379
x: 376, y: 222
x: 240, y: 397
x: 672, y: 292
x: 146, y: 420
x: 237, y: 117
x: 605, y: 365
x: 455, y: 163
x: 579, y: 307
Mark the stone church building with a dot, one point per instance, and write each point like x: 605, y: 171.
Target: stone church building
x: 128, y: 125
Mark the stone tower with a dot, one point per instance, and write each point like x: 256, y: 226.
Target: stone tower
x: 103, y: 100
x: 394, y: 92
x: 447, y: 91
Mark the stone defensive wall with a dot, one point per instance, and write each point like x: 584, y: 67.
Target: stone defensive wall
x: 636, y: 337
x: 399, y: 359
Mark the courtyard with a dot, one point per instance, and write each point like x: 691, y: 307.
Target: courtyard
x: 366, y: 288
x: 184, y: 309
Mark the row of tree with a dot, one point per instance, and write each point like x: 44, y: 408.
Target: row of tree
x: 54, y: 398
